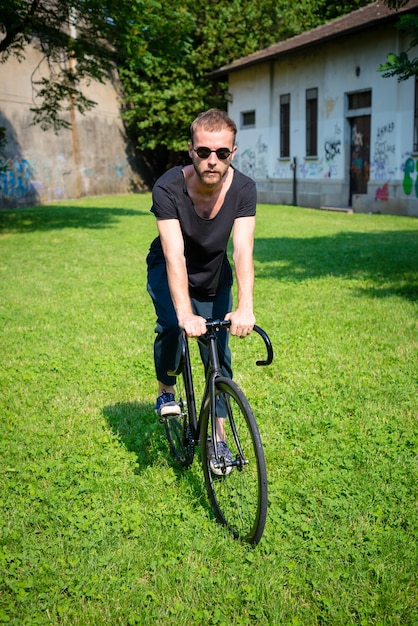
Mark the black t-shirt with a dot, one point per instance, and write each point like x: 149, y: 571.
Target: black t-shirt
x: 205, y: 240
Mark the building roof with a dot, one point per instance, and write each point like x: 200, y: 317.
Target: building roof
x: 366, y: 17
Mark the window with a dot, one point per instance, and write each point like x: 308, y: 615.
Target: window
x: 248, y: 119
x: 416, y: 116
x: 312, y: 122
x: 285, y: 125
x: 360, y: 100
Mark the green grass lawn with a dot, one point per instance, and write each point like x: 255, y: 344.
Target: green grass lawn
x: 98, y: 527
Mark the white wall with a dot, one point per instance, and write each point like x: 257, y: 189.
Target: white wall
x: 331, y: 68
x: 90, y: 159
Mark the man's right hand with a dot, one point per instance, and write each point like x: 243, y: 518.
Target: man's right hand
x: 194, y: 325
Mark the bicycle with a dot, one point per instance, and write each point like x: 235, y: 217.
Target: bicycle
x: 238, y: 491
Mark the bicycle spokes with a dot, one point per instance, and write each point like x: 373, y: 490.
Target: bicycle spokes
x: 238, y: 492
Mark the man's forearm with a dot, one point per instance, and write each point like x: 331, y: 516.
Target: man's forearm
x: 244, y: 272
x: 179, y: 288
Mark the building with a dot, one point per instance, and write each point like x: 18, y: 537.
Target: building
x: 92, y: 158
x: 320, y: 127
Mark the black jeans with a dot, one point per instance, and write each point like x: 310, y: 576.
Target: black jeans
x: 167, y: 328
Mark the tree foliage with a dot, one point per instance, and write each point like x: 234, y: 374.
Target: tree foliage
x: 402, y: 65
x: 75, y: 38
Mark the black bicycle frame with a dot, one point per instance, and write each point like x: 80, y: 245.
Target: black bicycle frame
x: 213, y: 371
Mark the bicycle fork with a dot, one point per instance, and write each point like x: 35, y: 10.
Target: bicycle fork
x: 215, y: 373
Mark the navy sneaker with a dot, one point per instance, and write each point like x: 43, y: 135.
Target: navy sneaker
x: 166, y: 405
x: 224, y: 466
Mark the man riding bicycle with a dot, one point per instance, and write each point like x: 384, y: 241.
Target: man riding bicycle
x: 189, y: 275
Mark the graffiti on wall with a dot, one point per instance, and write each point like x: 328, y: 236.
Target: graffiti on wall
x: 332, y: 149
x: 382, y: 193
x: 409, y: 168
x: 252, y: 161
x: 282, y: 170
x: 16, y: 181
x: 410, y: 175
x: 313, y: 169
x: 382, y: 162
x: 246, y: 162
x: 53, y: 178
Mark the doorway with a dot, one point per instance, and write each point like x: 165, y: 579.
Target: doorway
x: 359, y: 155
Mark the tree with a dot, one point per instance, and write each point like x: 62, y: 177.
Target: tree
x: 401, y: 65
x: 159, y: 84
x: 76, y: 39
x: 165, y: 79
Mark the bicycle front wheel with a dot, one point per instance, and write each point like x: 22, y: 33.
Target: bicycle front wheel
x: 238, y: 493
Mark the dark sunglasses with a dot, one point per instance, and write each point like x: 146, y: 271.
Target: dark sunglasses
x: 221, y: 153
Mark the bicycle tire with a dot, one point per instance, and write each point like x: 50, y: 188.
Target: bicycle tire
x: 177, y: 429
x: 238, y: 499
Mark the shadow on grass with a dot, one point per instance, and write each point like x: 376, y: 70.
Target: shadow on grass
x: 62, y: 216
x: 387, y: 261
x: 137, y: 427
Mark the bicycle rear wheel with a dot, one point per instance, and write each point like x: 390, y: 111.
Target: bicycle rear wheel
x: 177, y: 429
x: 239, y: 496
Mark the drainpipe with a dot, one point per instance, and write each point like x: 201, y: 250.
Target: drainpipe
x: 293, y: 166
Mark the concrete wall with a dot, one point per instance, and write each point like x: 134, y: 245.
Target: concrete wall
x: 90, y: 159
x: 324, y: 180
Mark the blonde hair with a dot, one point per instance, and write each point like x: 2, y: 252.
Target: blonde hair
x: 213, y: 121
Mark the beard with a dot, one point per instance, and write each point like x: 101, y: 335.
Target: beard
x: 210, y: 177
